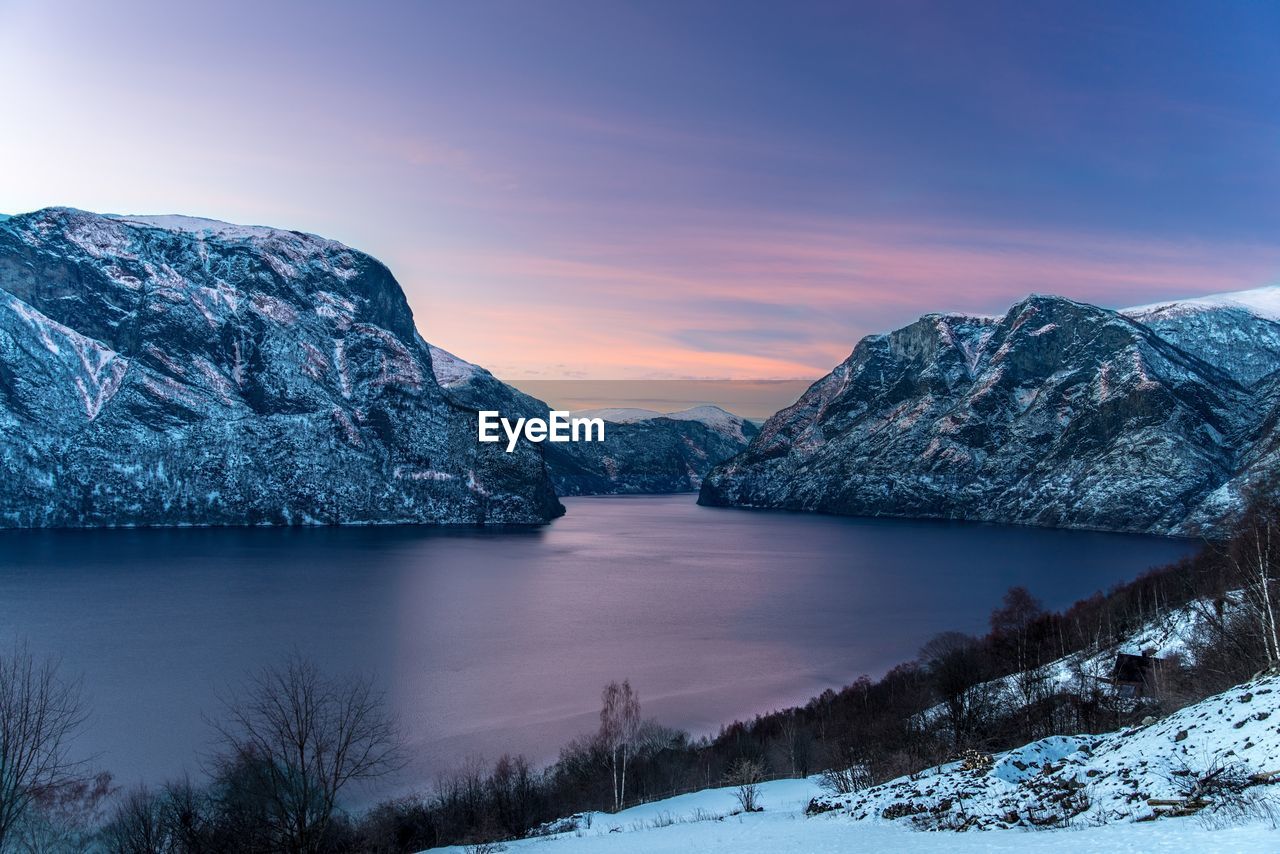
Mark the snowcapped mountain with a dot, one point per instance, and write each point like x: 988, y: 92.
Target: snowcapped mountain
x: 1238, y: 332
x: 1263, y: 302
x: 720, y: 420
x: 179, y: 371
x: 644, y: 451
x: 1057, y: 413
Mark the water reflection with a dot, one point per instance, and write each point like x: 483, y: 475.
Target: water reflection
x: 494, y: 641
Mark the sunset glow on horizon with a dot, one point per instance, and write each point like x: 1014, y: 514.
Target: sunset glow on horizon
x: 736, y: 190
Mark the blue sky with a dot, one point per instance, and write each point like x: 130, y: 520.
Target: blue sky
x: 678, y: 189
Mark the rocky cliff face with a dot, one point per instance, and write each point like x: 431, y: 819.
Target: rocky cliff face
x: 643, y: 452
x: 176, y: 371
x: 1058, y: 414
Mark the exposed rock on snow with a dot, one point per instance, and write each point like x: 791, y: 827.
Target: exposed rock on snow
x: 179, y: 371
x: 1130, y: 775
x: 644, y: 451
x: 1058, y: 413
x: 451, y: 371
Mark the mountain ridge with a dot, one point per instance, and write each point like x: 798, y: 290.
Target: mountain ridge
x: 1056, y: 413
x: 227, y: 375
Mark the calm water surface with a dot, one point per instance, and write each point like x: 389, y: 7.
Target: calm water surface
x: 500, y: 641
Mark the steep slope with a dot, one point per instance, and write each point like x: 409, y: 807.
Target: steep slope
x: 177, y: 371
x: 1218, y: 755
x: 643, y: 452
x: 1237, y: 332
x: 1058, y: 413
x: 1087, y: 673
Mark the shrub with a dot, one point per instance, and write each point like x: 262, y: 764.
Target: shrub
x: 746, y: 775
x: 845, y: 781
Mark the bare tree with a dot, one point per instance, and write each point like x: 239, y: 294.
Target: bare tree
x: 746, y: 775
x: 64, y: 818
x: 1254, y: 560
x: 789, y: 739
x: 1244, y: 617
x: 958, y: 669
x: 303, y: 738
x: 619, y: 731
x: 185, y: 815
x: 137, y: 825
x: 844, y: 781
x: 40, y: 713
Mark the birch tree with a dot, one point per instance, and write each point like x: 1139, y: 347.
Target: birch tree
x: 619, y: 733
x: 1241, y: 614
x: 1253, y: 561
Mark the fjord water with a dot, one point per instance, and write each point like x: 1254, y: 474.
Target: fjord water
x: 501, y: 641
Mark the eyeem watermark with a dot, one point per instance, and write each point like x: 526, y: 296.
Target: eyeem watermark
x: 558, y: 426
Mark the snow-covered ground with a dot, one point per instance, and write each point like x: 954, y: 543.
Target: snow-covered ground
x: 1093, y: 793
x: 1088, y: 780
x: 791, y: 833
x: 703, y: 823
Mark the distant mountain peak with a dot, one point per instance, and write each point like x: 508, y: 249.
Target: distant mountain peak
x: 1238, y: 332
x: 1263, y: 301
x: 714, y: 417
x: 644, y: 451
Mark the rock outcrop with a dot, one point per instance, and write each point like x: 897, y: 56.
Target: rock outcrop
x: 179, y: 371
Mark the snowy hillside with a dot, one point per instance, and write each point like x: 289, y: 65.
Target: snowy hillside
x: 1238, y: 332
x: 1265, y: 302
x: 1168, y: 636
x: 202, y: 227
x: 451, y: 371
x: 1197, y: 781
x: 1172, y: 766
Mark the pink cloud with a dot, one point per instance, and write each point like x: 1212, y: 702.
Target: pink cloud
x: 785, y: 300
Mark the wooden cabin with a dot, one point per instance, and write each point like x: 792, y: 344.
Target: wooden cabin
x: 1137, y: 675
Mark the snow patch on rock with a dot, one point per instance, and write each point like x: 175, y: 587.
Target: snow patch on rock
x: 451, y: 371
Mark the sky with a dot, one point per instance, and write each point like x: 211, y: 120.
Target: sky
x: 689, y: 189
